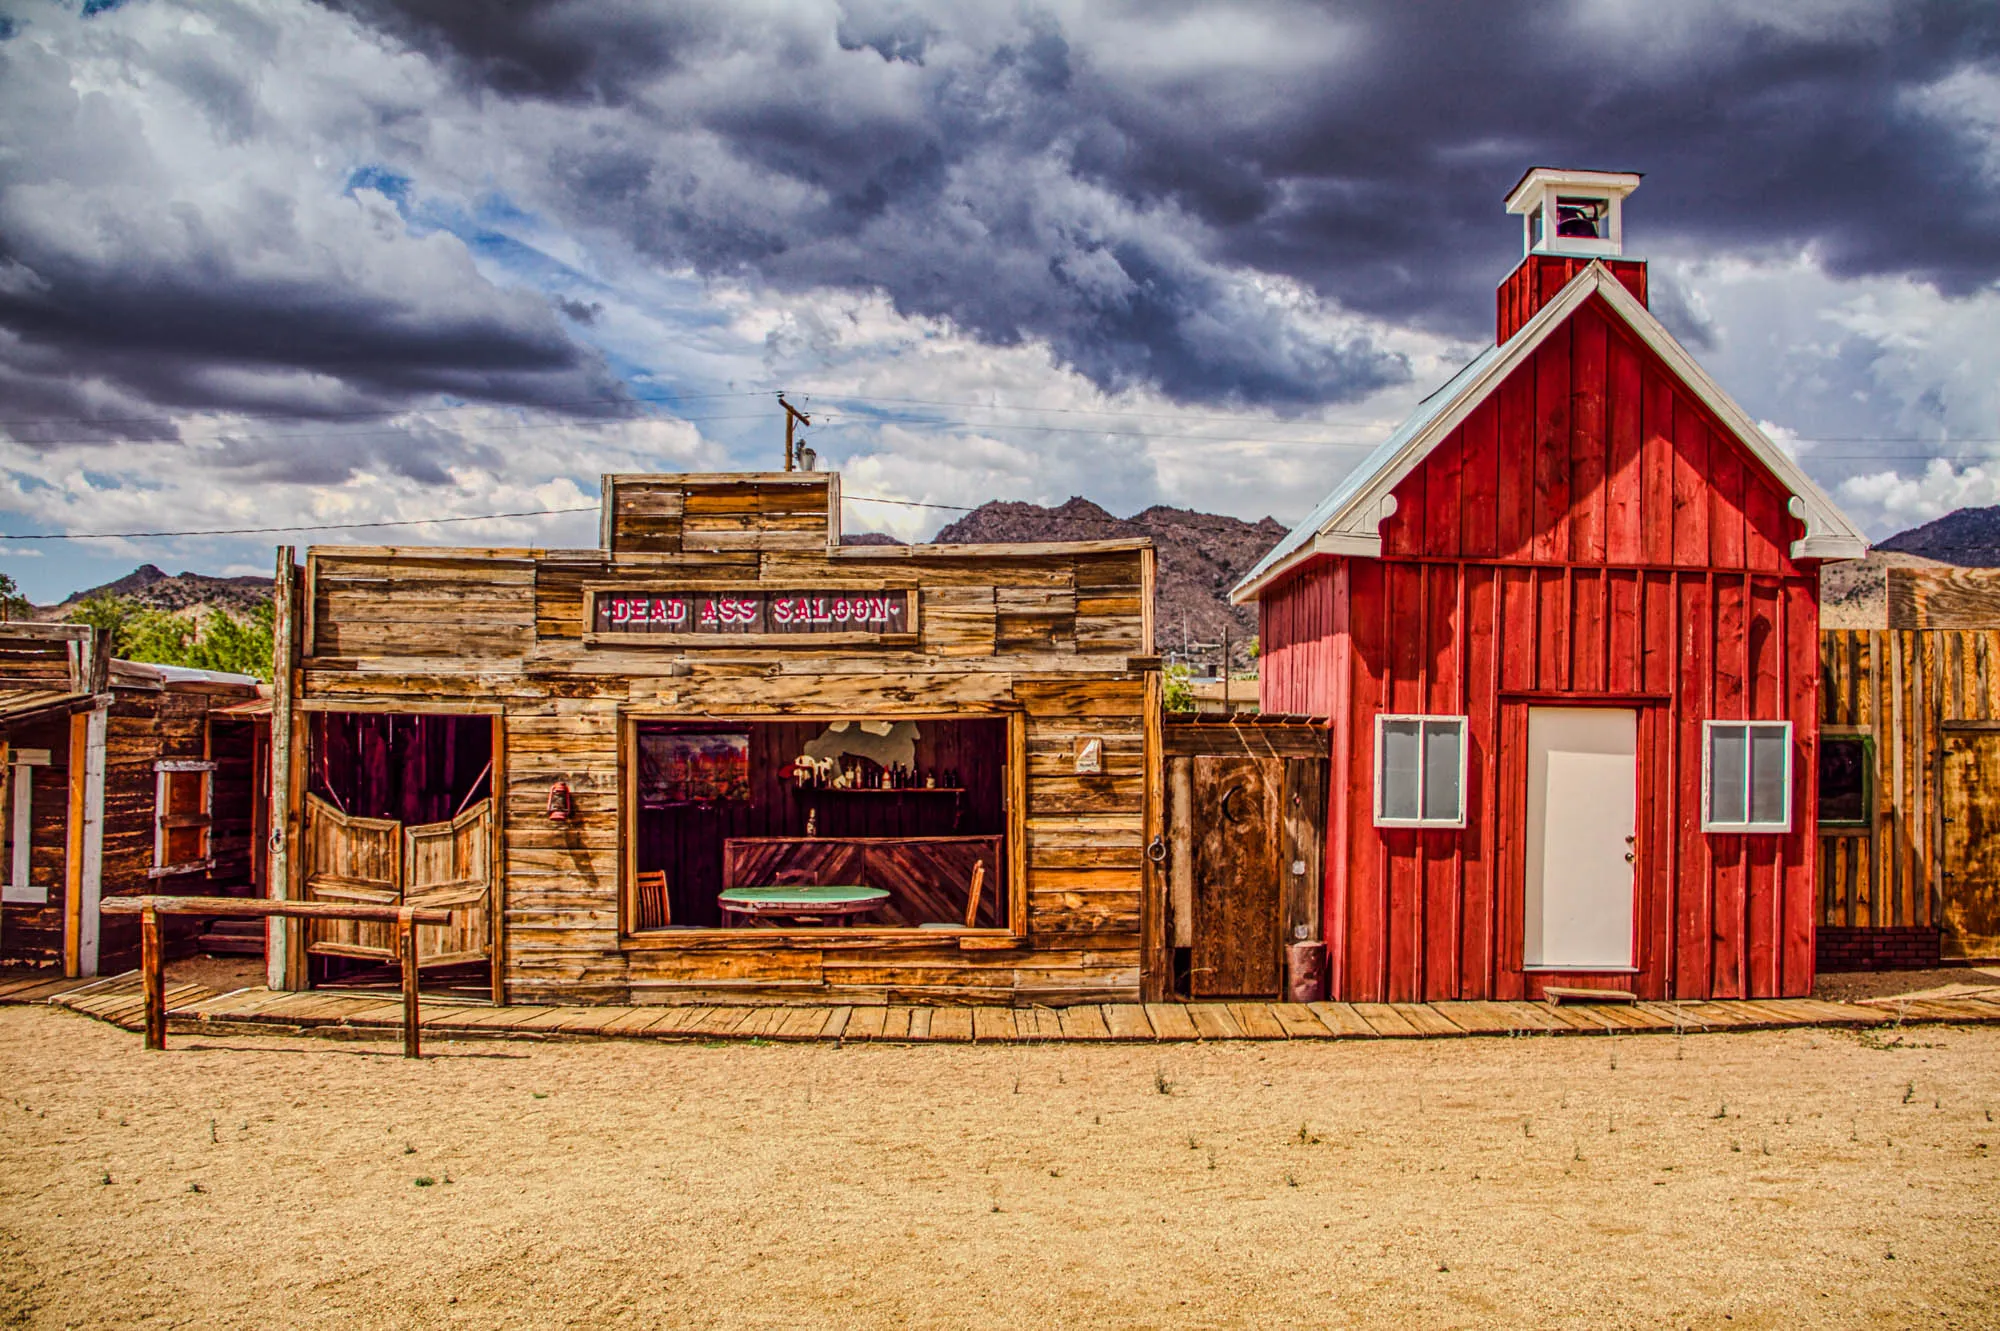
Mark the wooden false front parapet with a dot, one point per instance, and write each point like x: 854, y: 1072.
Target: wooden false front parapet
x: 927, y: 878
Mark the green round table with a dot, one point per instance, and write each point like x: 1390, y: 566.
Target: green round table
x: 806, y: 903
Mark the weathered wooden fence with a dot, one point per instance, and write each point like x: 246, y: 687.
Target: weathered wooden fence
x: 1923, y: 696
x: 403, y: 921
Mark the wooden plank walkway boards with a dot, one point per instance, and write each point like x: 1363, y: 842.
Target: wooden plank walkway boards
x: 195, y: 1009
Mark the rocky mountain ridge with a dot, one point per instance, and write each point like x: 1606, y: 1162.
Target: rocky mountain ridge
x: 1200, y: 557
x: 152, y: 588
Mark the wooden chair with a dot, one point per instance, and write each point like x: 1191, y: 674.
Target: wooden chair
x: 972, y: 895
x: 652, y: 910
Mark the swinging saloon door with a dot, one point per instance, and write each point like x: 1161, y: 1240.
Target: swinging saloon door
x: 384, y: 862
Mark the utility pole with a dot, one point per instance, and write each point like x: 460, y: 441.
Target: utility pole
x: 793, y: 418
x: 1226, y: 710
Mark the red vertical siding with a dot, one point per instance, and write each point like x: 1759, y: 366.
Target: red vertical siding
x: 1295, y: 637
x: 1590, y: 533
x: 1541, y: 276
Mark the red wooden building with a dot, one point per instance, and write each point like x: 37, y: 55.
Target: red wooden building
x: 1565, y: 623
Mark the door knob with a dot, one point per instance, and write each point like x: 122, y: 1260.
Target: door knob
x: 1630, y: 857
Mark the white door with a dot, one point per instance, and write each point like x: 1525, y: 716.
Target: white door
x: 1583, y: 779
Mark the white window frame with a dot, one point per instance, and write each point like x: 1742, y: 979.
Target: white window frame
x: 1708, y: 822
x: 20, y: 888
x: 1382, y: 723
x: 162, y: 771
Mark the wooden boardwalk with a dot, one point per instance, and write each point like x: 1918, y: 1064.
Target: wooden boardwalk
x: 194, y: 1009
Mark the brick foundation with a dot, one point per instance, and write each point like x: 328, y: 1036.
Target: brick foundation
x: 1907, y: 948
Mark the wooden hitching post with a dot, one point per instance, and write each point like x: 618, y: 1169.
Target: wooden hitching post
x: 152, y: 969
x: 406, y: 947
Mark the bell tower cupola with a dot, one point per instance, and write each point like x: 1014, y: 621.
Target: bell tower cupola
x: 1568, y: 220
x: 1573, y: 212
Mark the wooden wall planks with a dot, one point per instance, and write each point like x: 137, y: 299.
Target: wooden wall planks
x: 1908, y: 691
x: 1046, y: 634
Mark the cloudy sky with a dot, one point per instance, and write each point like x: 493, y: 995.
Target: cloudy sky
x: 271, y: 263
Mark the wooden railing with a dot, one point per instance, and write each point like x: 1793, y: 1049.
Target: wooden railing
x: 152, y: 956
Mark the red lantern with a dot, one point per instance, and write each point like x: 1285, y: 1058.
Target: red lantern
x: 559, y: 801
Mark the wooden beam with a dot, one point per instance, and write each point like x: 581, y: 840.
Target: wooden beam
x: 1155, y: 960
x: 496, y: 859
x: 73, y: 852
x: 152, y: 970
x: 250, y: 908
x: 284, y: 951
x: 83, y: 861
x: 1017, y: 823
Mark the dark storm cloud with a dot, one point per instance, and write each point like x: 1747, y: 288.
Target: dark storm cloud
x: 156, y: 257
x: 1101, y: 179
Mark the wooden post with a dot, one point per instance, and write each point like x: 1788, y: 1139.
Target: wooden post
x: 73, y: 853
x: 1155, y: 961
x: 152, y: 969
x: 84, y: 852
x: 496, y: 859
x: 406, y: 948
x: 283, y: 960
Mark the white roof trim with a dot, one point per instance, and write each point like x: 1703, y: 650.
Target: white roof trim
x: 1353, y: 527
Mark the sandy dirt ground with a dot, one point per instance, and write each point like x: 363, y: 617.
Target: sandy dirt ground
x: 1804, y: 1178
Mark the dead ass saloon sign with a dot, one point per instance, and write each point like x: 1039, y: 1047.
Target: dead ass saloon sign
x: 754, y: 613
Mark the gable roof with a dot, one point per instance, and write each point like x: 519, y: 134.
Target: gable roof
x: 1347, y: 521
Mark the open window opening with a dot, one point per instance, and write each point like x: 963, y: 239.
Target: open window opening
x: 1583, y: 218
x: 23, y: 766
x: 862, y: 823
x: 1846, y: 794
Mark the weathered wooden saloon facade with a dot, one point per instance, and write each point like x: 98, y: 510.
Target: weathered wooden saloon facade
x: 1564, y: 623
x: 117, y: 777
x: 1909, y: 827
x: 607, y: 760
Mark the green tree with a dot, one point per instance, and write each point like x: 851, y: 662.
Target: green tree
x: 13, y: 605
x: 215, y: 641
x: 1179, y: 694
x: 107, y: 612
x: 240, y: 646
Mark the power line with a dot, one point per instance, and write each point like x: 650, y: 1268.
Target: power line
x: 308, y: 526
x: 370, y: 413
x: 910, y: 503
x: 408, y: 522
x: 395, y: 432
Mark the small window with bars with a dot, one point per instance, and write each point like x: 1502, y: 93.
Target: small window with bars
x: 1747, y: 776
x: 1420, y: 771
x: 183, y: 808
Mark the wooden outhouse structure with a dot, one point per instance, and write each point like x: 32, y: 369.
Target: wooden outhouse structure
x: 1909, y: 826
x: 1564, y: 624
x: 120, y: 777
x: 725, y: 757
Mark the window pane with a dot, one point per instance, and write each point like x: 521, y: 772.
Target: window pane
x: 1441, y: 797
x: 183, y: 845
x: 1843, y: 781
x: 184, y: 792
x: 1768, y: 750
x: 1398, y: 776
x: 1727, y: 757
